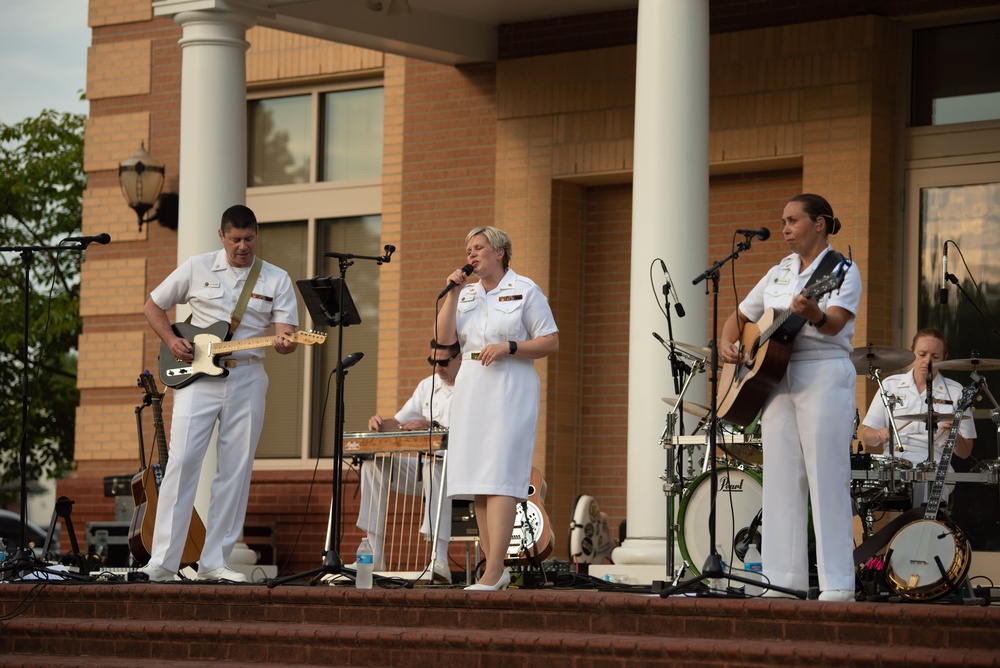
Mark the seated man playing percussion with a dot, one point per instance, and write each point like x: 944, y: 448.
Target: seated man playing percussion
x: 429, y: 405
x: 909, y: 390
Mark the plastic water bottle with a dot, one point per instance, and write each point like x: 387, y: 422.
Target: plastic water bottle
x: 718, y: 585
x: 3, y: 561
x: 753, y: 571
x: 365, y: 563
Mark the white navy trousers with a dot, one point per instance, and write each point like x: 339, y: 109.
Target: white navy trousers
x: 807, y: 426
x: 238, y: 400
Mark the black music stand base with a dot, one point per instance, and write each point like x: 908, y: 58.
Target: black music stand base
x: 713, y: 569
x: 332, y: 565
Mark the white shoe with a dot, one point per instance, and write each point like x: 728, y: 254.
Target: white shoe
x: 500, y: 585
x: 837, y: 595
x: 442, y: 573
x: 157, y: 573
x: 223, y: 574
x: 774, y: 593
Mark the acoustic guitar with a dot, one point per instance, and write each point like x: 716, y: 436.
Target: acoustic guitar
x: 145, y: 491
x: 766, y: 347
x: 532, y: 539
x: 930, y: 558
x: 208, y: 345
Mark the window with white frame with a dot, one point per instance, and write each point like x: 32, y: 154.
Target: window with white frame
x: 314, y: 180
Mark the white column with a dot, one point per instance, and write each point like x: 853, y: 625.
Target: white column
x: 669, y: 221
x: 213, y: 124
x: 213, y: 150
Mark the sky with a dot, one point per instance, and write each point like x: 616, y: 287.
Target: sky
x: 43, y: 57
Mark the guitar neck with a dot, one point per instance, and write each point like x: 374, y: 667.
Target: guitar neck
x: 778, y: 325
x: 159, y: 431
x: 225, y: 347
x: 934, y: 496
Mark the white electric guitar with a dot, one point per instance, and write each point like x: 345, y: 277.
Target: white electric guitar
x: 930, y: 558
x: 208, y: 345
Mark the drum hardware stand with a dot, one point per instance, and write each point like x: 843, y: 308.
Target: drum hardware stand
x: 330, y: 302
x: 673, y: 485
x: 713, y: 565
x: 895, y: 443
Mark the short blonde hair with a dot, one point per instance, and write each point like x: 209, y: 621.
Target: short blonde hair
x: 496, y: 238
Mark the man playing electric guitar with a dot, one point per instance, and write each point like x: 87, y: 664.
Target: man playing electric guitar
x: 217, y: 286
x: 807, y: 418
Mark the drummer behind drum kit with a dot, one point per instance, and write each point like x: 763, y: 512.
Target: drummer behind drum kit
x: 927, y: 557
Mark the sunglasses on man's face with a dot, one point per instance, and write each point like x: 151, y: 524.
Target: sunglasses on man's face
x: 442, y: 363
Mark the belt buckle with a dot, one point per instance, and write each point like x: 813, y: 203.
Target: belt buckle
x: 229, y: 364
x: 473, y: 356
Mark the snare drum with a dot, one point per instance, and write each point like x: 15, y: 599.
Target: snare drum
x: 740, y: 490
x: 884, y: 484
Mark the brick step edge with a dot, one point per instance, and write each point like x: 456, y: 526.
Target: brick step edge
x: 295, y: 644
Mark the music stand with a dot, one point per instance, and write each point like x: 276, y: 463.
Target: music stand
x: 329, y: 301
x: 323, y: 296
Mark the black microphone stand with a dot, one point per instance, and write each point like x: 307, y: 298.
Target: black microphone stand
x: 713, y: 564
x: 24, y: 557
x: 328, y: 300
x: 950, y: 278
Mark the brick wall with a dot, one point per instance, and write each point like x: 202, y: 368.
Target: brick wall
x: 540, y: 146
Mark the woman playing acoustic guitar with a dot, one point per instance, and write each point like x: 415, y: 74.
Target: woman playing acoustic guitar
x: 808, y: 416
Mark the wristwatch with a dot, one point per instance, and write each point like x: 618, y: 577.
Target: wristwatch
x: 513, y: 346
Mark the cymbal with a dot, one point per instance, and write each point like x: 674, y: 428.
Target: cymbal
x: 880, y: 357
x: 969, y: 364
x: 938, y: 417
x: 694, y: 409
x: 701, y: 351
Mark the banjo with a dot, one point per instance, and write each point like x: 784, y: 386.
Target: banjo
x: 930, y: 557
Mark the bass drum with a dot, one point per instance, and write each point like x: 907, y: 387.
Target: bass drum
x: 740, y: 497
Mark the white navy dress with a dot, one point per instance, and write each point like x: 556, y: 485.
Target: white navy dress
x: 494, y: 410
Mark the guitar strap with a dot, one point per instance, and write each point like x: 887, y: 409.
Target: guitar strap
x: 241, y: 305
x: 826, y: 267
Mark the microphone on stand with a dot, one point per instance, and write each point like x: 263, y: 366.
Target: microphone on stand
x: 763, y: 233
x: 467, y: 270
x: 351, y: 360
x: 104, y: 238
x: 669, y: 285
x: 944, y: 274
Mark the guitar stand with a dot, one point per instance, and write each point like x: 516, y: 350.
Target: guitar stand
x: 713, y: 570
x: 329, y: 301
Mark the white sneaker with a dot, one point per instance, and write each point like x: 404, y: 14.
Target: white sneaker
x: 837, y: 595
x: 157, y: 573
x: 223, y: 574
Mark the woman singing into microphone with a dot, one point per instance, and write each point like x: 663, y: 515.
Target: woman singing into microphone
x: 503, y: 324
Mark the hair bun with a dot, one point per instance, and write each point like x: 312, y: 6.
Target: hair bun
x: 836, y: 226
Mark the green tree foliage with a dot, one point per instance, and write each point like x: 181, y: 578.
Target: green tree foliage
x: 41, y: 201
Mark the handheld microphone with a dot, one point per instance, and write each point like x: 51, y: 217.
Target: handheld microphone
x: 669, y: 285
x: 944, y: 274
x: 763, y: 233
x: 467, y: 270
x: 104, y: 238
